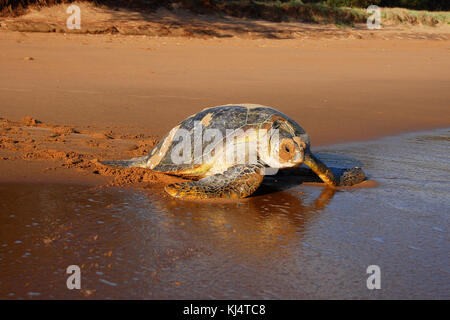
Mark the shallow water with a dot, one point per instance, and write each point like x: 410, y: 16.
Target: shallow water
x: 290, y: 241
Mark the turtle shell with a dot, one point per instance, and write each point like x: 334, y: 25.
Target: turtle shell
x: 222, y: 118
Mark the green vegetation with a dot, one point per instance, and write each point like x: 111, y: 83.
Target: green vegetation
x: 430, y: 18
x: 338, y: 12
x: 433, y: 5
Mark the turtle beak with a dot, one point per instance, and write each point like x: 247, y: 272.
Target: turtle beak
x: 320, y: 169
x: 300, y: 146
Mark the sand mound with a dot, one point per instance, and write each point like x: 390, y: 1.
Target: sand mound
x: 70, y: 148
x: 30, y: 121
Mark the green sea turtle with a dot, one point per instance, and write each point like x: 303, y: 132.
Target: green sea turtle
x: 225, y: 151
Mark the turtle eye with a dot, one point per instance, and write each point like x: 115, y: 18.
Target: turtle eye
x: 287, y: 150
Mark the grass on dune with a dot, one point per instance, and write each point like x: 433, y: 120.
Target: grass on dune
x: 407, y: 16
x: 293, y: 10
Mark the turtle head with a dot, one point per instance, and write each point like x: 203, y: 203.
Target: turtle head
x: 287, y: 145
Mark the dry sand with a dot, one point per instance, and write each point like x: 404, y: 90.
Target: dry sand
x: 111, y: 96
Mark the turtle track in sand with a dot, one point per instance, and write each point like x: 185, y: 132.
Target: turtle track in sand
x: 63, y: 147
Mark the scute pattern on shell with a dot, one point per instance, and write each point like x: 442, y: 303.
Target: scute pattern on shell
x: 223, y: 118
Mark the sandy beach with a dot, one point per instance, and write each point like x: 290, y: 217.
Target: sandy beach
x: 69, y: 100
x: 136, y: 88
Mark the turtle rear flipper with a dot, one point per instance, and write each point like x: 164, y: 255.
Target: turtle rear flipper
x: 238, y: 181
x: 140, y: 162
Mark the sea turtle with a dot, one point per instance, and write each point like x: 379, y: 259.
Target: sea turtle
x: 225, y: 151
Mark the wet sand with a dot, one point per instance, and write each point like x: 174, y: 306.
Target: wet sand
x: 292, y: 240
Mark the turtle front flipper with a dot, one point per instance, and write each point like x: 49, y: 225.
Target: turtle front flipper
x: 238, y: 181
x: 352, y: 176
x: 349, y: 177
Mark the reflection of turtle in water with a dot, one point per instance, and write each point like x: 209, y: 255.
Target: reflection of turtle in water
x: 255, y: 228
x: 191, y: 151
